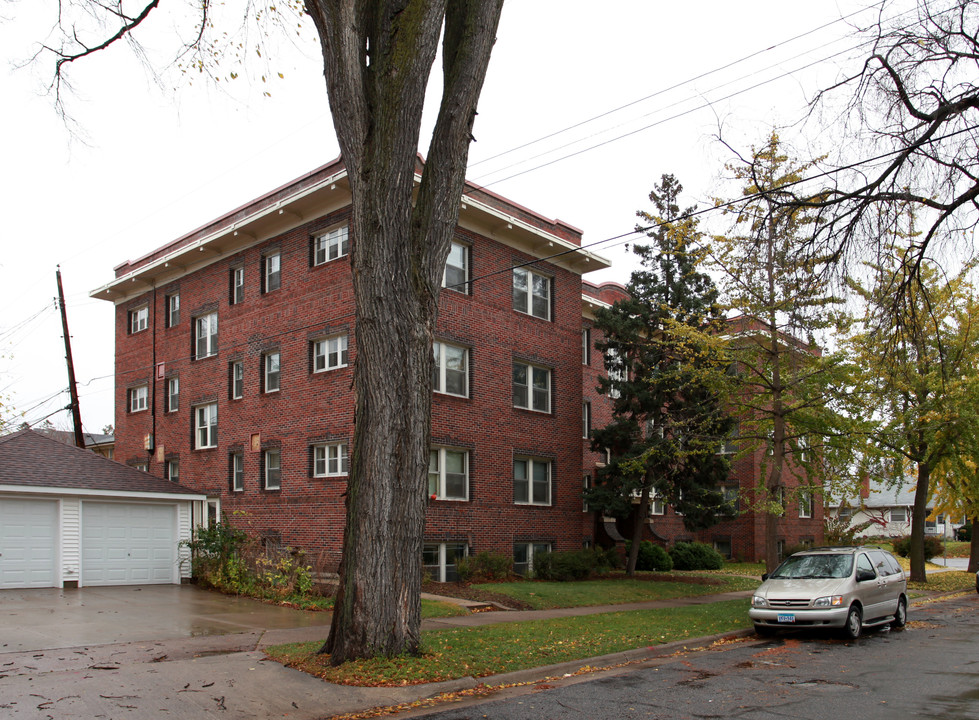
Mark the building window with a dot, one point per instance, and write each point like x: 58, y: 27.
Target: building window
x: 448, y: 474
x: 140, y: 466
x: 206, y: 335
x: 899, y: 515
x: 731, y: 493
x: 172, y: 318
x: 236, y: 379
x: 331, y: 245
x: 272, y: 467
x: 173, y: 394
x: 236, y: 465
x: 723, y: 547
x: 523, y: 557
x: 139, y: 319
x: 616, y: 373
x: 586, y: 419
x: 531, y: 481
x: 586, y: 485
x: 845, y: 513
x: 456, y: 273
x: 805, y: 504
x: 237, y: 285
x: 172, y: 470
x: 330, y: 353
x: 206, y: 426
x: 730, y: 446
x: 586, y: 346
x: 451, y: 373
x: 270, y: 372
x: 138, y: 398
x: 330, y: 460
x: 531, y: 387
x: 532, y: 293
x: 439, y: 560
x: 656, y: 504
x: 271, y: 272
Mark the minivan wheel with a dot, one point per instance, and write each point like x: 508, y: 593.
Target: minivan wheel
x: 901, y: 616
x: 854, y: 623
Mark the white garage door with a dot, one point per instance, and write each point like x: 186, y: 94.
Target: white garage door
x: 28, y: 543
x: 128, y: 544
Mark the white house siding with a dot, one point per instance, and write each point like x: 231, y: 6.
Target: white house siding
x: 71, y: 544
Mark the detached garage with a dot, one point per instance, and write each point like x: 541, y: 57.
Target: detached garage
x: 72, y: 518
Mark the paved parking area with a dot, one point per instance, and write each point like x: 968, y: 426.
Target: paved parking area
x: 51, y: 618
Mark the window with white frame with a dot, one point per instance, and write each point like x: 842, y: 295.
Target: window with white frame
x: 586, y: 486
x: 616, y: 372
x: 723, y: 547
x: 531, y: 387
x: 272, y: 469
x: 331, y: 245
x: 206, y: 335
x: 139, y: 319
x: 532, y: 293
x: 138, y: 398
x: 271, y: 272
x: 206, y: 426
x: 731, y: 494
x: 439, y: 560
x: 523, y: 556
x: 845, y: 512
x: 806, y: 505
x: 456, y: 272
x: 172, y: 310
x: 140, y: 466
x: 451, y: 373
x: 237, y: 285
x: 586, y: 346
x: 730, y: 446
x: 236, y: 379
x: 656, y: 504
x: 531, y: 481
x: 448, y: 474
x: 330, y: 353
x: 173, y: 394
x: 330, y: 460
x: 899, y: 515
x: 586, y: 419
x: 270, y: 371
x: 236, y: 466
x: 172, y: 470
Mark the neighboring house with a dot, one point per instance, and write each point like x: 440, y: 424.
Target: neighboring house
x: 234, y: 353
x: 885, y: 509
x: 100, y: 443
x: 70, y: 518
x: 742, y: 537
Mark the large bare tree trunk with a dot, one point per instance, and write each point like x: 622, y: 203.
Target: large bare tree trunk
x: 918, y: 514
x: 378, y: 57
x: 974, y: 545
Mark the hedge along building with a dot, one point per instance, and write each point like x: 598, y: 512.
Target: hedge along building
x: 234, y: 353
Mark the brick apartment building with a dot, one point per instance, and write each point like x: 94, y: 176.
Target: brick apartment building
x: 234, y: 353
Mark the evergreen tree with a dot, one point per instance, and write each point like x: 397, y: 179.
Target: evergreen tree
x: 665, y: 367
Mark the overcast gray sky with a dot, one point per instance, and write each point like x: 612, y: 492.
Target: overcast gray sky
x: 158, y: 162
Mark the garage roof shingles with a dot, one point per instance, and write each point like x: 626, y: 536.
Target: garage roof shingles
x: 30, y: 459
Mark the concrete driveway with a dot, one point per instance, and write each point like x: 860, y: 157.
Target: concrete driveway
x: 50, y: 618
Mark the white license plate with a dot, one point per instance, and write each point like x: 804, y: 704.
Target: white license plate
x: 786, y: 617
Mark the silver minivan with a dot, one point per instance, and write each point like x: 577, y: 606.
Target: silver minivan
x: 848, y: 588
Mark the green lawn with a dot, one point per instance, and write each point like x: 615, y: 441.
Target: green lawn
x: 494, y: 649
x: 544, y: 595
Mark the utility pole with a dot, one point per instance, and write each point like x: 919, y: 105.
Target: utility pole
x: 76, y: 413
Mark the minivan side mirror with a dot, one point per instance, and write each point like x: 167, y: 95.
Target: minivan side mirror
x: 764, y: 577
x: 864, y: 575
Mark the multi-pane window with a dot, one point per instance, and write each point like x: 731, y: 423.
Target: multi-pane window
x: 805, y: 503
x: 138, y: 398
x: 331, y: 245
x: 586, y: 346
x: 271, y: 272
x: 206, y: 335
x: 270, y: 371
x: 845, y: 513
x: 439, y: 560
x: 172, y: 311
x: 206, y: 426
x: 451, y: 373
x: 532, y: 293
x: 236, y: 466
x: 531, y: 387
x: 139, y: 319
x: 330, y: 353
x: 586, y: 486
x: 456, y: 272
x: 730, y: 446
x: 173, y: 394
x: 237, y: 285
x: 172, y: 470
x: 236, y: 379
x: 656, y: 504
x: 330, y: 460
x: 616, y: 372
x: 448, y: 474
x: 272, y: 465
x: 731, y: 493
x: 586, y: 419
x: 899, y: 515
x: 523, y: 556
x: 531, y: 481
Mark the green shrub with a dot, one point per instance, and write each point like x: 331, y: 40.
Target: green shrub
x: 573, y: 564
x: 695, y: 556
x: 964, y: 533
x: 484, y: 566
x: 933, y: 546
x: 651, y: 558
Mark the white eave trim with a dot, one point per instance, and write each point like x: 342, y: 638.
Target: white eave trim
x: 89, y: 492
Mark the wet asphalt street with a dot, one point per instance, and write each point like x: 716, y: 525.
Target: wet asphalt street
x: 929, y: 669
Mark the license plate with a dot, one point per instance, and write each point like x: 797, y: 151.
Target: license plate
x: 786, y: 617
